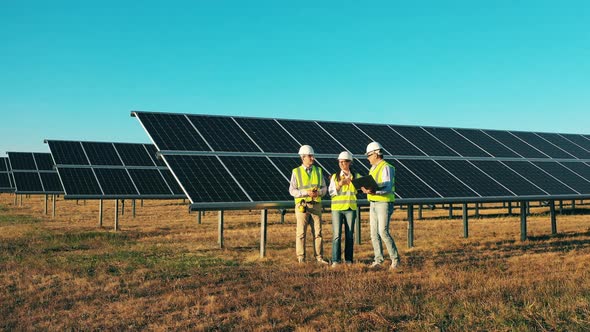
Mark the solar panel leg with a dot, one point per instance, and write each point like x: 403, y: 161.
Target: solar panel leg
x: 476, y: 210
x: 420, y: 212
x: 199, y: 214
x: 465, y: 221
x: 553, y: 219
x: 100, y: 213
x: 357, y: 226
x: 283, y: 212
x: 450, y: 211
x: 220, y: 230
x: 141, y: 203
x: 560, y: 207
x: 263, y: 223
x: 53, y: 202
x: 116, y: 215
x: 410, y: 226
x: 523, y: 214
x: 573, y: 204
x: 46, y: 198
x: 133, y: 208
x: 122, y: 207
x: 509, y: 208
x: 15, y: 199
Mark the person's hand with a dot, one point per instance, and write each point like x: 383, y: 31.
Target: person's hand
x: 366, y: 191
x: 313, y: 193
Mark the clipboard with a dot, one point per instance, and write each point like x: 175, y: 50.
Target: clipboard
x: 365, y: 181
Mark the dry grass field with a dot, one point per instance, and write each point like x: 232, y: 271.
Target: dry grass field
x: 163, y: 271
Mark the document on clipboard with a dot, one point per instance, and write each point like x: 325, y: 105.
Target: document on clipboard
x: 365, y: 181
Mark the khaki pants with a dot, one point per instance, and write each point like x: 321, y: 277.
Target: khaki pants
x: 313, y: 217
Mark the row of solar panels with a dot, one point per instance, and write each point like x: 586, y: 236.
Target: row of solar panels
x: 237, y: 161
x: 185, y: 132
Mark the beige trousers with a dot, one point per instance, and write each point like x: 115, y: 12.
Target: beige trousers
x: 313, y: 217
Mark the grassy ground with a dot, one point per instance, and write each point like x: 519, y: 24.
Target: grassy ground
x: 164, y: 271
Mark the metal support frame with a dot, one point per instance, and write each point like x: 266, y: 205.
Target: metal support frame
x: 116, y: 215
x: 100, y: 213
x: 357, y: 226
x: 141, y: 203
x: 263, y: 224
x: 282, y: 212
x: 477, y: 210
x: 450, y: 211
x: 410, y: 226
x: 560, y: 206
x: 220, y: 230
x: 199, y: 215
x: 419, y: 211
x: 573, y: 204
x: 509, y: 208
x: 133, y: 208
x: 523, y: 215
x: 465, y: 221
x: 53, y: 206
x: 553, y: 218
x: 122, y: 207
x: 46, y: 198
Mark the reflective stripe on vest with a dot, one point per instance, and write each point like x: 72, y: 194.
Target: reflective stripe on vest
x: 377, y: 174
x: 346, y: 199
x: 306, y: 182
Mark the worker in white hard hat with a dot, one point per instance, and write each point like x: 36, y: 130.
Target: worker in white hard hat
x: 343, y: 193
x: 381, y: 205
x: 307, y: 187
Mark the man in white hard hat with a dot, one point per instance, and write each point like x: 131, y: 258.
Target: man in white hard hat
x: 381, y: 205
x: 307, y: 187
x: 343, y: 193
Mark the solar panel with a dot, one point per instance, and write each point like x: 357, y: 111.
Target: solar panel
x: 101, y: 153
x: 268, y: 135
x: 3, y: 164
x: 173, y: 132
x: 566, y: 176
x: 309, y: 132
x: 5, y: 176
x: 28, y: 170
x: 22, y: 161
x: 117, y: 170
x: 441, y: 181
x: 542, y: 145
x: 457, y: 142
x: 582, y: 169
x: 172, y: 183
x: 539, y: 177
x: 516, y: 144
x: 566, y: 145
x: 424, y: 141
x: 508, y: 178
x: 222, y: 158
x: 68, y: 153
x: 223, y: 134
x: 391, y: 141
x: 486, y: 143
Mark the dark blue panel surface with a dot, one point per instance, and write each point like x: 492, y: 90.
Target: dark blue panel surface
x: 309, y: 132
x: 5, y: 181
x: 269, y: 135
x: 348, y: 135
x: 115, y: 182
x: 539, y: 178
x: 172, y: 132
x: 44, y: 161
x: 390, y: 140
x: 223, y: 134
x: 437, y: 178
x: 79, y: 181
x: 134, y: 154
x: 457, y: 142
x: 3, y: 164
x: 51, y: 183
x: 27, y: 182
x: 474, y: 178
x: 67, y: 153
x: 566, y: 176
x: 149, y: 182
x: 579, y: 168
x: 542, y: 145
x: 152, y: 154
x: 101, y: 154
x: 579, y: 140
x: 516, y: 144
x: 510, y: 179
x: 566, y: 145
x: 205, y: 179
x: 424, y: 141
x: 172, y: 183
x: 287, y: 164
x: 407, y: 185
x: 487, y: 143
x: 22, y: 161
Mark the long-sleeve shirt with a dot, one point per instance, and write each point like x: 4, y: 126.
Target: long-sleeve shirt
x: 295, y: 192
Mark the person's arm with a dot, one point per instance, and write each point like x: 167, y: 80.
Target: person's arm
x: 332, y: 189
x: 385, y: 181
x: 293, y: 190
x: 323, y: 188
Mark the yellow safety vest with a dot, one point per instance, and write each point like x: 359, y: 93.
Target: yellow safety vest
x: 307, y: 182
x: 347, y: 197
x: 377, y: 173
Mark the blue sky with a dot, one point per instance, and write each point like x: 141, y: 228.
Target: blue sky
x: 75, y: 70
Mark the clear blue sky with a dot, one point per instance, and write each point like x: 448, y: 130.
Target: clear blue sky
x: 75, y: 70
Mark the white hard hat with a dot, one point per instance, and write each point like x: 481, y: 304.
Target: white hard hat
x: 305, y: 150
x: 372, y: 147
x: 345, y: 155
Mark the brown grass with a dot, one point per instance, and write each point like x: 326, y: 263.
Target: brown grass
x: 163, y: 271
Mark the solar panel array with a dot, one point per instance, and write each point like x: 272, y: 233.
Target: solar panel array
x: 239, y: 161
x: 104, y: 170
x: 33, y: 173
x: 6, y: 181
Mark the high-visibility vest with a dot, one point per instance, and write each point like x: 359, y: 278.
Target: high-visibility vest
x: 377, y: 173
x: 346, y: 198
x: 306, y: 182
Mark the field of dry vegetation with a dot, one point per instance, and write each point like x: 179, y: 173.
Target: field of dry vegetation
x: 164, y: 271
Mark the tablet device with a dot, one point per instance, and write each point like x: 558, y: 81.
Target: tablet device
x: 365, y: 181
